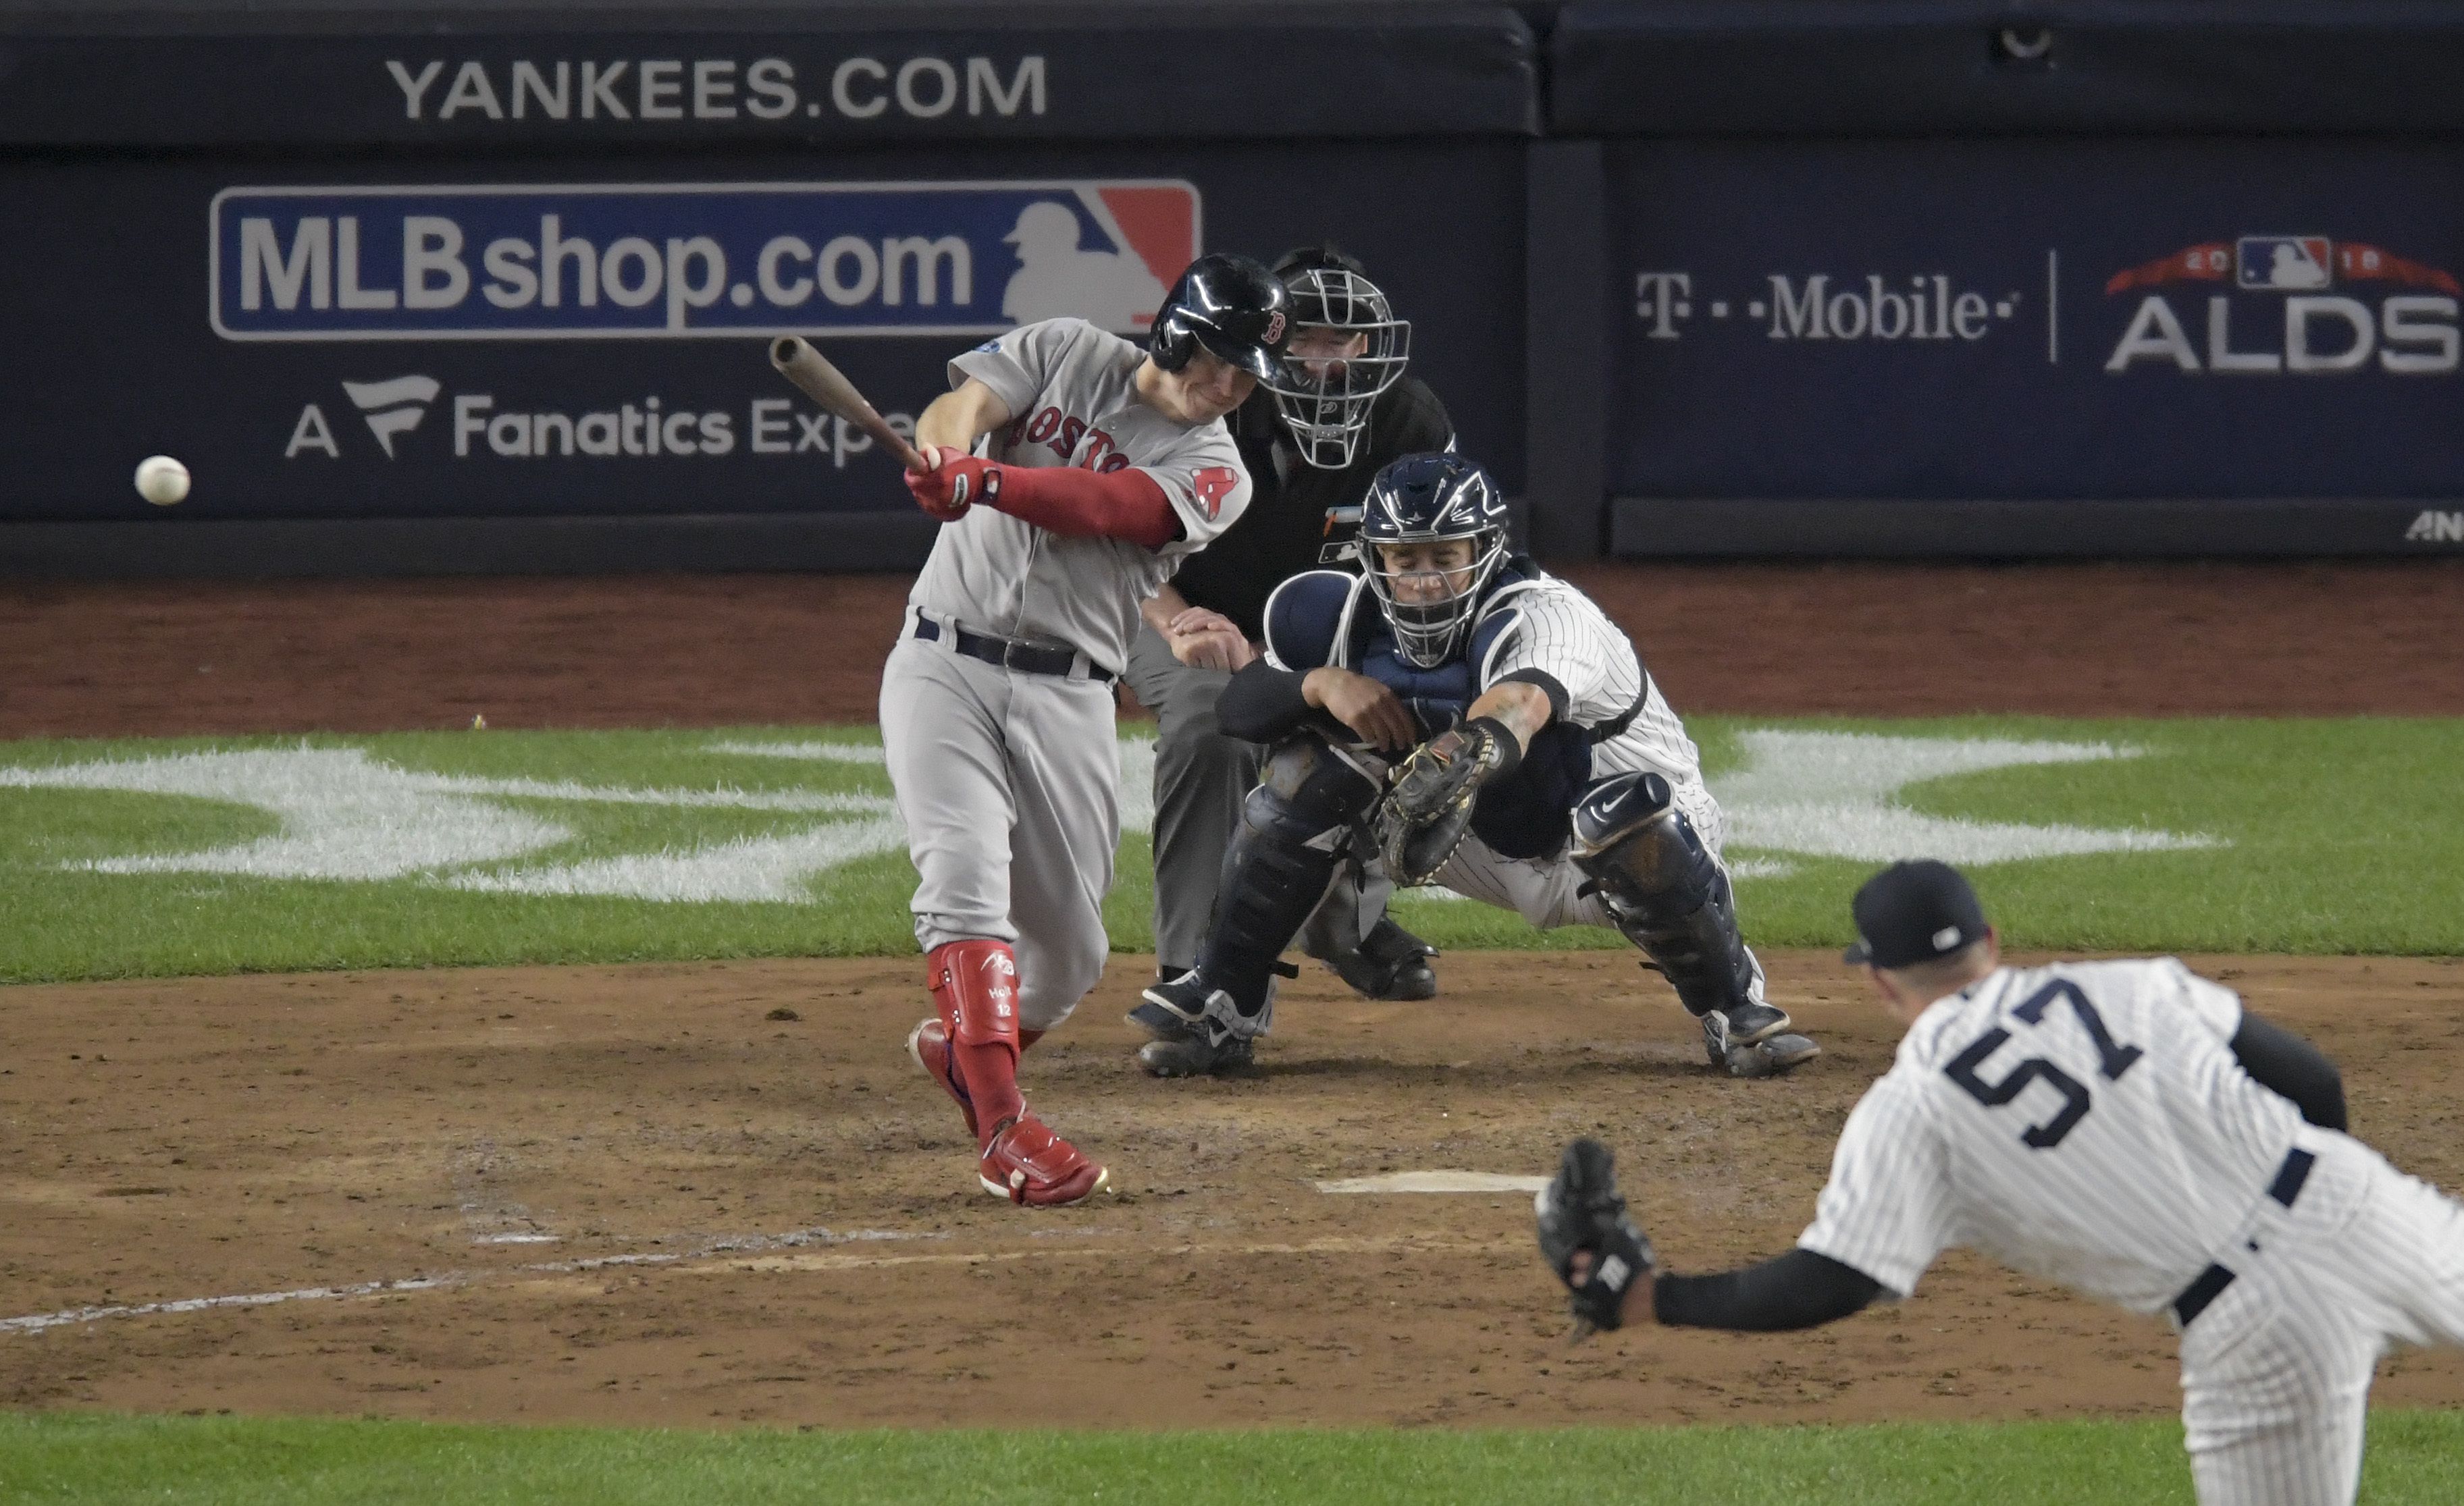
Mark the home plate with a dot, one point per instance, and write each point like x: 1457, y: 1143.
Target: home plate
x: 1437, y: 1182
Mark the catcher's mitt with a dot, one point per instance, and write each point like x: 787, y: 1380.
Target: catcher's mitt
x: 1580, y: 1210
x: 1428, y: 807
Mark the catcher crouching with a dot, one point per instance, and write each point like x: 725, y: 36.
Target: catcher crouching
x: 1457, y: 715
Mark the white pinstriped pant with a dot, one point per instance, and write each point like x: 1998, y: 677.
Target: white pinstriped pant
x: 2276, y: 1373
x: 1542, y: 890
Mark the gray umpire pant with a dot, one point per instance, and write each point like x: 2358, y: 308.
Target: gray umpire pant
x: 1200, y: 779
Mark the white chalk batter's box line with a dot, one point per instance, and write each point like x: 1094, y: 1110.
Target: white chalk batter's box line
x: 779, y: 1253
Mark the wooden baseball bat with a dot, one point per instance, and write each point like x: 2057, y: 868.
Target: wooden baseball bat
x: 825, y: 385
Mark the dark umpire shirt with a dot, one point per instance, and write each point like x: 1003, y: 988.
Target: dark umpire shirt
x: 1295, y: 509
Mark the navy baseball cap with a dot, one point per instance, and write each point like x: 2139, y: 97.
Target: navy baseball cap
x: 1913, y: 912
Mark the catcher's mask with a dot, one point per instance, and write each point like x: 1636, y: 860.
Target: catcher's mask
x: 1346, y: 347
x: 1427, y: 499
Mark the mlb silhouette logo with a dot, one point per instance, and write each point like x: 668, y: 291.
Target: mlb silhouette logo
x: 1104, y: 252
x: 2281, y: 262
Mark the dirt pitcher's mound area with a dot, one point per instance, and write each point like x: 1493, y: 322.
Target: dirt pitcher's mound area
x: 628, y: 1195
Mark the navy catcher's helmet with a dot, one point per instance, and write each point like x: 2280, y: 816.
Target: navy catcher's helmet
x: 1428, y: 499
x: 1355, y: 349
x: 1232, y: 306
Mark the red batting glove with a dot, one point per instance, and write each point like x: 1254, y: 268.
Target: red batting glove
x: 955, y: 483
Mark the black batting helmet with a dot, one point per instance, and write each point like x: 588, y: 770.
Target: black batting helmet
x: 1231, y: 305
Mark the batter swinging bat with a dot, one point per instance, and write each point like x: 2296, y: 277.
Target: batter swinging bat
x: 825, y: 385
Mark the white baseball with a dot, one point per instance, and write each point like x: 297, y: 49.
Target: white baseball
x: 162, y: 480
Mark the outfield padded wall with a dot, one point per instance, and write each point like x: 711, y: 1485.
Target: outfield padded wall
x: 1781, y: 276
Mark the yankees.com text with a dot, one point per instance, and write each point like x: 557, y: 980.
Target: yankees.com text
x: 661, y: 89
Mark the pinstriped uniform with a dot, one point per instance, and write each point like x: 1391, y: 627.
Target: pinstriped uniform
x: 1560, y: 632
x: 2087, y: 1122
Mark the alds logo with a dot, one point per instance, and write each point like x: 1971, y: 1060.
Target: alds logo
x: 2412, y: 329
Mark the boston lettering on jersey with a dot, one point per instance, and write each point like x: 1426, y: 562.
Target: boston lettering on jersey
x: 1061, y: 432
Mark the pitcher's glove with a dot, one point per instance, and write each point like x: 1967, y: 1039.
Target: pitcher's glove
x: 1582, y: 1210
x: 1428, y: 807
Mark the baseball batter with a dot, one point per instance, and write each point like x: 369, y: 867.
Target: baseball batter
x: 2126, y: 1128
x: 1074, y: 471
x: 1575, y: 796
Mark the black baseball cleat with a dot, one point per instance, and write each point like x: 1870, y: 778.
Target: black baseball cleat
x: 1172, y: 1008
x: 1190, y: 1055
x: 1753, y: 1041
x: 1391, y: 964
x: 1186, y: 1043
x: 1749, y: 1023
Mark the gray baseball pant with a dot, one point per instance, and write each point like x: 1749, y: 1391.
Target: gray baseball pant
x: 1009, y: 786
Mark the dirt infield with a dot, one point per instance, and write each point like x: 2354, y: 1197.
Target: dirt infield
x: 220, y: 1138
x: 628, y: 1196
x: 1872, y: 639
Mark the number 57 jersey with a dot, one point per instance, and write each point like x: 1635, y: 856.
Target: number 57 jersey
x: 2086, y: 1123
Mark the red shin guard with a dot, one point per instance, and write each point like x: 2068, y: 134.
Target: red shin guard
x: 975, y: 987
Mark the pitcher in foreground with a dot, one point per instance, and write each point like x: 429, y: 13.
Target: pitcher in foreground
x: 2126, y: 1128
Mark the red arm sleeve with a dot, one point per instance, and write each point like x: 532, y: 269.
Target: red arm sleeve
x: 1085, y: 504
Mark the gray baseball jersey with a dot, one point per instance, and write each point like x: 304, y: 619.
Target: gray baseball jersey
x: 1073, y: 396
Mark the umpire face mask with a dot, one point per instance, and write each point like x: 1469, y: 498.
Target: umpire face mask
x: 1346, y: 347
x: 1429, y: 588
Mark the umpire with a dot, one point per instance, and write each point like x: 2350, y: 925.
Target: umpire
x: 1338, y: 410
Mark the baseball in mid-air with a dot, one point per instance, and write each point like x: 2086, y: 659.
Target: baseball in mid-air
x: 162, y: 480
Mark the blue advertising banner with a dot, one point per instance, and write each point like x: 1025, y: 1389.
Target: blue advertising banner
x: 2035, y: 320
x: 671, y: 260
x: 505, y: 339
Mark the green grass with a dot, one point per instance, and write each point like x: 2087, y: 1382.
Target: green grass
x: 2413, y: 1458
x: 2342, y: 836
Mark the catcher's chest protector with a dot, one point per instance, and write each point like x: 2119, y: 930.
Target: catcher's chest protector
x: 1439, y: 697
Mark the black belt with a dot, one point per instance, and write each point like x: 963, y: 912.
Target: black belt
x: 2214, y: 1280
x: 1010, y: 654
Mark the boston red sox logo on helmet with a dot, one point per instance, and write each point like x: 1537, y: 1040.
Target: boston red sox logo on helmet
x: 1229, y: 305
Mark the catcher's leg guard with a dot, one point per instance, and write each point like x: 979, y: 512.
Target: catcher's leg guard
x: 1669, y: 897
x: 975, y: 988
x: 1293, y: 828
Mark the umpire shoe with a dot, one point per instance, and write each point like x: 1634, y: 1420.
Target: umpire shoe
x: 1027, y: 1163
x: 1192, y: 1055
x: 1175, y: 1013
x: 1391, y: 964
x: 929, y: 1043
x: 1172, y: 1008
